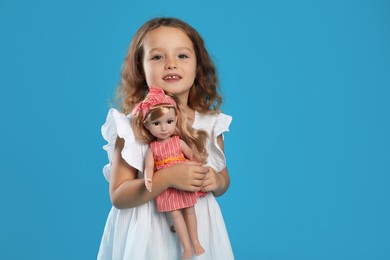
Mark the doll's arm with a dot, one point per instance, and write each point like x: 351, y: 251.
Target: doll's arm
x: 149, y: 169
x: 188, y: 153
x: 126, y: 191
x: 218, y: 183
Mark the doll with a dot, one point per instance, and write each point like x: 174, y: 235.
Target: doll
x: 158, y: 122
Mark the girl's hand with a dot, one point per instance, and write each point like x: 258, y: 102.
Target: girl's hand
x: 188, y: 176
x: 216, y: 182
x: 212, y: 181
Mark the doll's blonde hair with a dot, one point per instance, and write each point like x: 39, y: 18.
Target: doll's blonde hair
x: 195, y: 139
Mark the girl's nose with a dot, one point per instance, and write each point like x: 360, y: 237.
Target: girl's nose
x: 171, y: 64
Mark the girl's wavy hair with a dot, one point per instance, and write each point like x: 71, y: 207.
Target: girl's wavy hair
x: 195, y: 139
x: 204, y: 95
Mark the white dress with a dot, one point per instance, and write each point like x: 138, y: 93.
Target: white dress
x: 142, y: 232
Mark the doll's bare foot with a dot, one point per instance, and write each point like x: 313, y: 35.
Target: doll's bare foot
x: 187, y: 254
x: 198, y: 249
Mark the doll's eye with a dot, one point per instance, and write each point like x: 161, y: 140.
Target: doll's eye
x: 170, y: 121
x: 156, y: 123
x: 157, y: 57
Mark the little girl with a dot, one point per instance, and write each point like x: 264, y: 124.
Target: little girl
x: 157, y: 122
x: 168, y: 53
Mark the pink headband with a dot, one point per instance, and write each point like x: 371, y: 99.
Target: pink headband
x: 155, y: 97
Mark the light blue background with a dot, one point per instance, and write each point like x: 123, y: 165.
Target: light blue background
x: 307, y: 83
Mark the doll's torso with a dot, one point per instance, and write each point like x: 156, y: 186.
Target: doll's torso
x: 167, y: 153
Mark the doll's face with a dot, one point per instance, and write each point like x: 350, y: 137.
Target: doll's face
x: 164, y: 127
x: 170, y: 61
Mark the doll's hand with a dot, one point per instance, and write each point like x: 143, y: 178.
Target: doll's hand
x: 213, y: 181
x: 188, y: 176
x: 148, y: 184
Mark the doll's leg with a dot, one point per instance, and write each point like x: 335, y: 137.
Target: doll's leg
x: 192, y: 227
x: 181, y: 230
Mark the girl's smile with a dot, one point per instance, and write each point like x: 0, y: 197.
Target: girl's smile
x: 171, y: 78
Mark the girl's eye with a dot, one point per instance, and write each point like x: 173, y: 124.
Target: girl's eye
x: 183, y: 56
x: 157, y: 57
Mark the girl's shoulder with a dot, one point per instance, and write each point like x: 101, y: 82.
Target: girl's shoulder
x: 118, y: 121
x: 212, y: 122
x: 211, y: 116
x: 118, y: 124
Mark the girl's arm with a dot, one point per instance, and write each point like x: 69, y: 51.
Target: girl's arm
x: 126, y: 191
x: 218, y: 183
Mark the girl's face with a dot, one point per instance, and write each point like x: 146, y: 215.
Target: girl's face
x: 170, y: 61
x: 164, y: 127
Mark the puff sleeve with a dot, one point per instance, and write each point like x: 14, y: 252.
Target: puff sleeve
x: 118, y: 124
x: 217, y: 158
